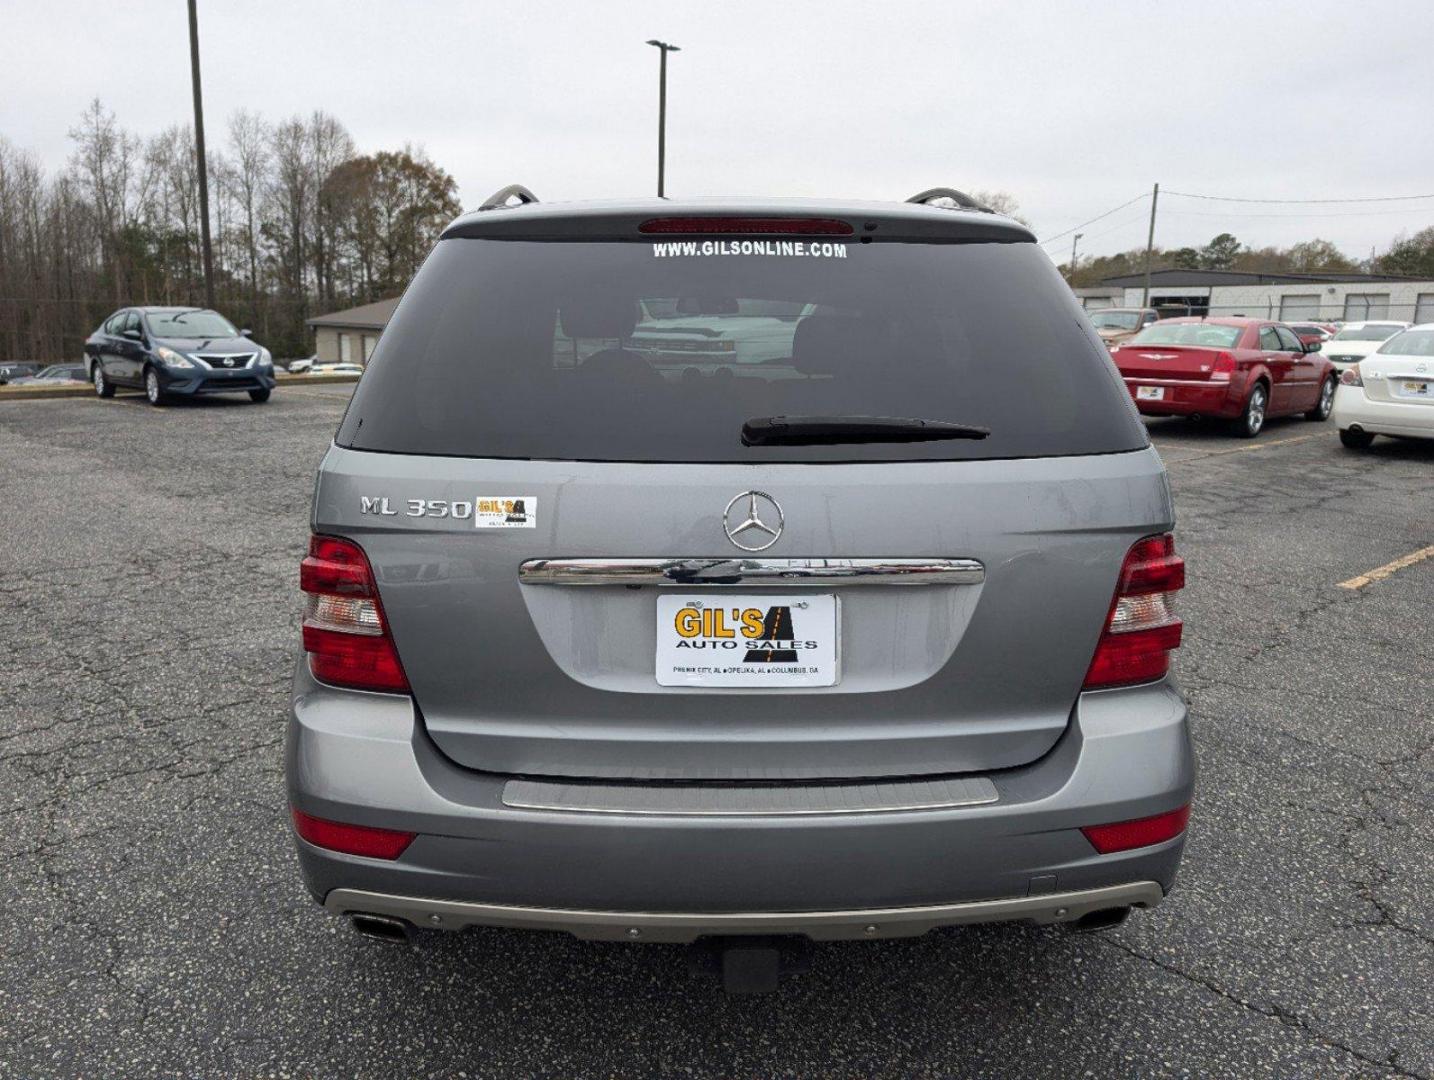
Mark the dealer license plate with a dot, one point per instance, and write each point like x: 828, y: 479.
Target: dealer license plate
x: 747, y: 639
x: 1150, y: 393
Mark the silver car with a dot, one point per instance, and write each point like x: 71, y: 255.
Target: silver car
x: 855, y: 643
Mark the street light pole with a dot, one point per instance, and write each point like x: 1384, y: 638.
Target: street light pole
x: 1074, y: 241
x: 665, y: 48
x: 208, y: 253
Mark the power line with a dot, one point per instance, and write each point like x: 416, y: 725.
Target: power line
x: 1305, y: 215
x: 1360, y: 199
x: 1098, y: 217
x: 1137, y: 220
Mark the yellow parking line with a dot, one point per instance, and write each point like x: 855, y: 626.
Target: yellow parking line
x: 1248, y: 448
x: 1388, y: 568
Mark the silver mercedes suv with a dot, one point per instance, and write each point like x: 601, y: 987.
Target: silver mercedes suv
x: 742, y: 572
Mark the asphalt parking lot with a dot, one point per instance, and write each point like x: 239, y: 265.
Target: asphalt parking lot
x: 155, y: 923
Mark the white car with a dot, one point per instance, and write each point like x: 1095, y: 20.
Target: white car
x: 1390, y: 391
x: 1356, y: 340
x: 336, y: 369
x: 298, y: 367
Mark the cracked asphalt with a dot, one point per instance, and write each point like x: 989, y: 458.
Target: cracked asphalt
x: 155, y: 924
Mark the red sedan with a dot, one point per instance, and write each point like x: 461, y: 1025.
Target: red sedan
x: 1238, y: 369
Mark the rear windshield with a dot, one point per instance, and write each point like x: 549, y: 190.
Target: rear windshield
x: 1367, y: 333
x: 1410, y: 343
x: 1116, y: 320
x: 635, y: 351
x: 1207, y: 334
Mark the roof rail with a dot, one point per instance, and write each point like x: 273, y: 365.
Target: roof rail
x: 960, y: 198
x: 499, y: 199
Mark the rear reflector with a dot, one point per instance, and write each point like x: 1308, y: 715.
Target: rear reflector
x: 1141, y: 627
x: 748, y: 226
x: 345, y: 634
x: 1142, y: 832
x: 351, y: 839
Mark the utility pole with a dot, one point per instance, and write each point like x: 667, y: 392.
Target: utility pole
x: 665, y: 48
x: 1149, y: 246
x: 1074, y: 241
x: 199, y: 153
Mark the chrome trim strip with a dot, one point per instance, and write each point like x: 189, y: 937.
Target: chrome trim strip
x: 751, y: 571
x: 784, y: 800
x: 688, y: 926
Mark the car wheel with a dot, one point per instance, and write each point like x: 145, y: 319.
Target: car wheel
x: 103, y: 387
x: 1252, y: 420
x: 151, y: 387
x: 1356, y: 440
x: 1325, y: 404
x: 258, y: 397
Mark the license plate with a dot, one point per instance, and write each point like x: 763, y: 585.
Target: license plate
x: 1150, y: 393
x: 1413, y: 387
x: 746, y: 639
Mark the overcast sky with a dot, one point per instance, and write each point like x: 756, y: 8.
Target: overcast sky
x: 1073, y: 108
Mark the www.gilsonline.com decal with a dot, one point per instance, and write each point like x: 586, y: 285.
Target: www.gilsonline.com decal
x: 818, y: 249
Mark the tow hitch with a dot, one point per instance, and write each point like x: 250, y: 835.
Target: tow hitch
x: 750, y: 965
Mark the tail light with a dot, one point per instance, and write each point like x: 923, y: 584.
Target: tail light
x: 1142, y: 832
x: 351, y: 839
x: 1223, y: 368
x: 1142, y: 626
x: 345, y: 634
x: 1350, y: 376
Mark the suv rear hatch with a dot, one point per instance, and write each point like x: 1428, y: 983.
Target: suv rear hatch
x: 555, y: 517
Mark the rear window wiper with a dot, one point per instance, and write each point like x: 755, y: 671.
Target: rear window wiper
x: 828, y: 430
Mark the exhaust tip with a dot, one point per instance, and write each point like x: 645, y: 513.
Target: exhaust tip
x: 382, y: 928
x: 1104, y: 919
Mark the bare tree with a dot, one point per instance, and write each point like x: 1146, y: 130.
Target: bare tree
x: 246, y: 182
x: 330, y: 145
x: 289, y: 204
x: 104, y: 163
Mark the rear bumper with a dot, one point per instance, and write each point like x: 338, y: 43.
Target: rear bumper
x: 869, y: 924
x: 1188, y: 397
x: 1354, y: 409
x: 366, y: 759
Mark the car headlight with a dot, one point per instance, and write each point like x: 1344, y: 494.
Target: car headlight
x: 265, y: 359
x: 170, y: 358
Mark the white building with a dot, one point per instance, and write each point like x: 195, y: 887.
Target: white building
x: 1291, y: 297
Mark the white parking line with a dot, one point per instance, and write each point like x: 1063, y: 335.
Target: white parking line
x: 1388, y: 568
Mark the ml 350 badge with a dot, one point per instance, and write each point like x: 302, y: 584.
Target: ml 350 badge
x: 486, y: 512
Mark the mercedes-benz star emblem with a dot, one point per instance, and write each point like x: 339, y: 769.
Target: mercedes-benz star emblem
x: 753, y: 520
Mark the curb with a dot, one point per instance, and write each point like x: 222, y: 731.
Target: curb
x: 35, y: 393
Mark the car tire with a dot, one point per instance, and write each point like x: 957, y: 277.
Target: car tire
x: 1325, y: 405
x: 258, y: 397
x: 1356, y: 440
x: 1252, y: 416
x: 103, y: 387
x: 153, y: 392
